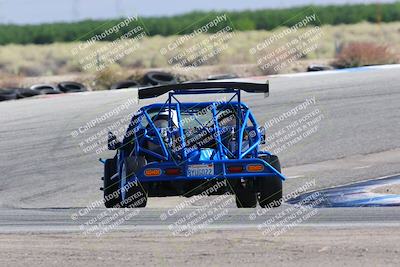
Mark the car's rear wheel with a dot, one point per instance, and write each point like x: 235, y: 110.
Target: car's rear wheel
x: 245, y: 194
x: 135, y: 191
x: 270, y: 187
x: 112, y: 194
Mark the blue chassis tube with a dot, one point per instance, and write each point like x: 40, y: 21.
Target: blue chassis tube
x: 221, y: 163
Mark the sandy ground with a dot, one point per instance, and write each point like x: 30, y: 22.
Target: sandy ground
x: 298, y: 247
x: 388, y: 189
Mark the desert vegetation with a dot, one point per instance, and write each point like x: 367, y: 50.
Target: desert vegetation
x: 357, y: 54
x: 57, y: 59
x: 242, y: 21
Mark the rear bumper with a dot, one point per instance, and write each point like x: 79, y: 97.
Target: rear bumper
x: 220, y: 168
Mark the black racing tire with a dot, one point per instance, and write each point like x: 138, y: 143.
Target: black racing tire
x: 71, y: 87
x: 158, y: 77
x: 245, y: 195
x: 112, y: 194
x: 8, y: 94
x: 46, y: 89
x: 270, y: 188
x: 136, y: 194
x: 25, y: 92
x: 124, y: 84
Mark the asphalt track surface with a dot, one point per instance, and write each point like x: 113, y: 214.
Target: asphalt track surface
x: 60, y: 220
x: 46, y: 177
x: 372, y: 193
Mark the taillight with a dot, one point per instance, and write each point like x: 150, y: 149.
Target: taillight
x: 235, y: 169
x: 152, y: 172
x: 255, y: 168
x: 173, y: 171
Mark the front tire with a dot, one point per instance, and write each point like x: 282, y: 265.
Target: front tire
x: 270, y: 187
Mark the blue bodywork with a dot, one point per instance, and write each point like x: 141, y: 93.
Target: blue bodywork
x: 209, y: 150
x: 246, y: 150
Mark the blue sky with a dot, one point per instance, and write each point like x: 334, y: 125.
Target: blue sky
x: 40, y: 11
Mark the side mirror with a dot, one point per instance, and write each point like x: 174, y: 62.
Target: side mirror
x: 113, y: 143
x: 261, y: 130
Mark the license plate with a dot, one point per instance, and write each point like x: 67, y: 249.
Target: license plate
x: 200, y: 170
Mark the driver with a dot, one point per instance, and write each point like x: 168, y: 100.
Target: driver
x: 160, y: 121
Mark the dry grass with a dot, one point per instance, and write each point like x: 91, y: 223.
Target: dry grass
x: 10, y: 81
x: 357, y: 54
x: 57, y: 59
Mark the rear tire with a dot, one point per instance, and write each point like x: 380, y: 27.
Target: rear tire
x: 112, y: 195
x: 136, y: 192
x: 245, y: 195
x: 270, y: 188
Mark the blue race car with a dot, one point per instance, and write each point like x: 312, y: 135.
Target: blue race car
x: 190, y: 148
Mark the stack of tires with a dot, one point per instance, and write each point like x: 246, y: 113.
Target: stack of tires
x: 16, y: 93
x: 71, y: 87
x: 41, y: 89
x: 62, y: 87
x: 151, y: 78
x: 158, y: 78
x: 45, y: 89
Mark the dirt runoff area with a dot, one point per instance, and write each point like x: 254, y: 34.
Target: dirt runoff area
x: 303, y: 246
x: 388, y: 189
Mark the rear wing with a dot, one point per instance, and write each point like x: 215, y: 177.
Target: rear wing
x: 247, y: 85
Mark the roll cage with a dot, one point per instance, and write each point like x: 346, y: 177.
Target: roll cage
x: 142, y: 127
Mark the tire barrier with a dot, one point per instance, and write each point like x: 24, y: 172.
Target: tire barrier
x: 8, y: 94
x: 71, y: 87
x: 124, y: 84
x: 159, y: 78
x: 45, y: 89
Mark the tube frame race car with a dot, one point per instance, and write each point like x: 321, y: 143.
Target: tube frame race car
x: 193, y: 148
